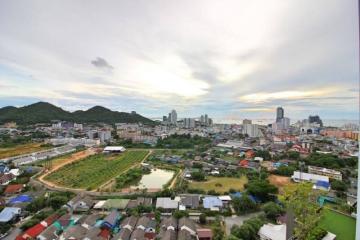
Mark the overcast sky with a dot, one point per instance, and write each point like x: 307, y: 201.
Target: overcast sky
x: 230, y: 59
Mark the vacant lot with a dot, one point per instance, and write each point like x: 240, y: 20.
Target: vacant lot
x: 341, y: 225
x: 21, y: 149
x: 279, y: 181
x: 220, y: 184
x: 95, y: 170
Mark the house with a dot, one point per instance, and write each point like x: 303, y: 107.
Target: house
x: 188, y: 225
x: 123, y: 234
x: 116, y: 204
x: 185, y: 235
x: 212, y: 203
x: 169, y: 235
x: 190, y: 201
x: 90, y: 220
x: 169, y: 223
x: 66, y: 221
x: 144, y: 201
x: 226, y: 199
x: 204, y: 234
x: 13, y: 189
x: 111, y: 220
x: 80, y: 203
x: 94, y: 234
x: 250, y: 154
x: 138, y: 234
x: 272, y: 232
x: 9, y: 213
x: 142, y: 223
x: 32, y: 232
x: 73, y: 232
x: 150, y: 235
x: 6, y: 178
x: 166, y: 203
x: 244, y: 163
x: 50, y: 233
x: 129, y: 223
x: 151, y: 227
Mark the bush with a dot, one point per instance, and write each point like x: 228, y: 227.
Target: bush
x: 272, y: 210
x: 338, y: 185
x: 261, y: 189
x: 243, y: 204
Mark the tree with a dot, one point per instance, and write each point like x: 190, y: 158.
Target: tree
x: 179, y: 214
x: 272, y: 210
x: 264, y: 154
x: 302, y: 201
x: 262, y: 189
x: 57, y: 202
x: 202, y: 218
x: 249, y: 229
x: 198, y: 176
x: 243, y: 204
x: 218, y: 232
x: 316, y: 234
x: 338, y: 185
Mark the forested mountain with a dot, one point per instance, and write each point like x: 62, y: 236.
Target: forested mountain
x: 43, y: 112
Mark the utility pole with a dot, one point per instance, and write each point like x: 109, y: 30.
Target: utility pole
x: 358, y: 188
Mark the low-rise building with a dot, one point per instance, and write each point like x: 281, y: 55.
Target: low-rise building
x: 325, y: 172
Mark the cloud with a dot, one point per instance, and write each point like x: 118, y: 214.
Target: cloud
x: 101, y: 63
x: 198, y: 62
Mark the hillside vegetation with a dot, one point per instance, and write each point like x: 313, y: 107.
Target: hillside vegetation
x: 43, y: 112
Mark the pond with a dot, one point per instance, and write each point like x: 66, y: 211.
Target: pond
x: 155, y: 180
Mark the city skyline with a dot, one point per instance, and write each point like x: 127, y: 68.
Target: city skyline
x: 215, y: 59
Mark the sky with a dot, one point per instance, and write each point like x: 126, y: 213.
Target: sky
x: 230, y: 59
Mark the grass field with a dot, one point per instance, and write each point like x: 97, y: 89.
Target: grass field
x: 21, y: 149
x: 220, y: 184
x: 341, y: 225
x: 95, y: 170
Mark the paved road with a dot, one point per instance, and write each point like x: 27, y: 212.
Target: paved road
x: 12, y: 234
x: 237, y: 220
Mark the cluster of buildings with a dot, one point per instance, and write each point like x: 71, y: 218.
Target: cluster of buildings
x: 40, y: 155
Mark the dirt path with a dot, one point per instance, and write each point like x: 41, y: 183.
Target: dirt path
x: 172, y: 184
x: 72, y: 158
x: 109, y: 183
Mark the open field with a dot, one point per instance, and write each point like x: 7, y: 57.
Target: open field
x: 220, y: 184
x: 21, y: 149
x: 95, y: 170
x: 341, y: 225
x: 279, y: 181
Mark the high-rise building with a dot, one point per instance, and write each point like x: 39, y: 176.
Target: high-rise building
x: 252, y: 130
x: 202, y: 120
x: 206, y: 118
x: 279, y: 114
x: 189, y: 123
x: 173, y: 117
x: 315, y: 119
x: 247, y: 121
x: 165, y: 119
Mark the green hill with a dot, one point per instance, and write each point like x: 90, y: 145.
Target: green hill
x: 43, y: 112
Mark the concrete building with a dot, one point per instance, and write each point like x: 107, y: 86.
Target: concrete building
x: 252, y: 130
x: 325, y: 172
x: 173, y: 117
x: 247, y: 121
x: 279, y: 114
x: 189, y: 123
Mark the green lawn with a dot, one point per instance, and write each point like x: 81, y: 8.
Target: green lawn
x: 95, y: 170
x: 341, y: 225
x: 220, y: 184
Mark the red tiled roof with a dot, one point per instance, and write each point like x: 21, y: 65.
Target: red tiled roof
x: 14, y: 188
x: 244, y: 163
x: 50, y: 219
x: 33, y: 232
x: 105, y: 233
x: 150, y: 235
x: 204, y: 233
